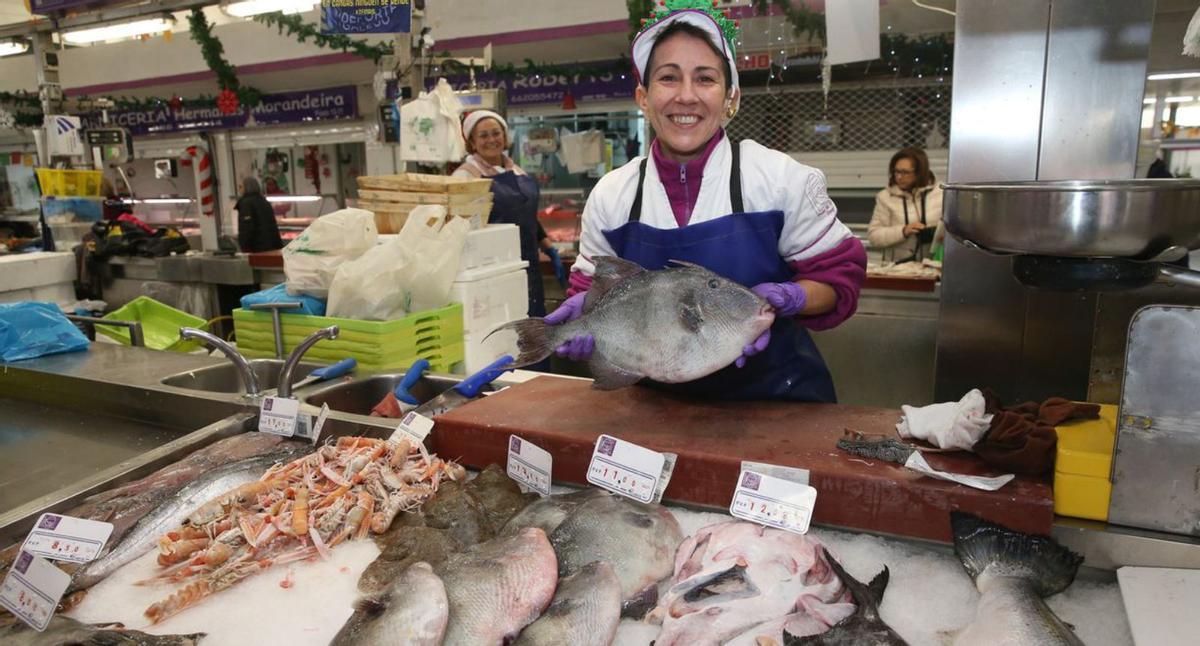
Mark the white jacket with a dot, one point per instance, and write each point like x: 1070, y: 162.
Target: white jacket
x: 771, y: 180
x: 886, y: 230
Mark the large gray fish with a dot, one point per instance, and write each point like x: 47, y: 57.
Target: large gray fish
x: 1013, y: 572
x: 497, y: 588
x: 63, y: 630
x: 864, y: 627
x: 549, y: 512
x: 412, y: 611
x: 674, y: 325
x: 637, y: 540
x: 171, y: 513
x: 585, y: 611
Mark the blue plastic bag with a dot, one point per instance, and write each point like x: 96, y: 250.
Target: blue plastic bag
x: 278, y: 294
x: 31, y: 329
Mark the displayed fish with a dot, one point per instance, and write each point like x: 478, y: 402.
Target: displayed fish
x: 460, y: 512
x: 1013, y: 572
x: 172, y: 512
x: 64, y: 631
x: 636, y: 539
x: 549, y: 512
x: 408, y: 545
x: 741, y: 583
x: 673, y: 325
x: 497, y: 588
x: 864, y: 627
x: 412, y: 611
x: 585, y: 611
x: 500, y: 495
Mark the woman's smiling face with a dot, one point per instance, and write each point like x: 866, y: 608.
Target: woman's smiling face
x: 685, y: 99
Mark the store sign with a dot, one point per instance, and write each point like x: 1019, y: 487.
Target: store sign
x: 285, y: 107
x: 759, y: 61
x: 366, y: 16
x: 47, y: 7
x: 541, y: 89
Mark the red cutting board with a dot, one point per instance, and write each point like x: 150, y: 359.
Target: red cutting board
x: 565, y: 416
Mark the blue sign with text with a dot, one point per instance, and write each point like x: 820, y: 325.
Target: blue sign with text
x: 366, y: 16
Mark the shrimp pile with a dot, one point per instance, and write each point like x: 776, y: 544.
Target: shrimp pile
x: 296, y: 511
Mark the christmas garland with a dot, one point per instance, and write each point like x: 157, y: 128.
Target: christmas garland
x: 531, y: 69
x: 302, y: 31
x: 233, y: 94
x: 804, y: 21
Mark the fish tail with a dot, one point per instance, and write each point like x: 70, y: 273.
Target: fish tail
x: 1050, y: 567
x: 867, y: 596
x: 535, y: 340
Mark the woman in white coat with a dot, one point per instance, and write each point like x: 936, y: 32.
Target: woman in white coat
x: 909, y: 211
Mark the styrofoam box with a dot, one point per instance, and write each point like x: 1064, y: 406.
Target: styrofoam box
x: 491, y: 296
x: 477, y: 353
x: 495, y: 244
x: 61, y: 294
x: 29, y: 270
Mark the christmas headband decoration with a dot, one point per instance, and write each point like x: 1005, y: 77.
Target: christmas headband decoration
x: 721, y: 27
x: 723, y: 19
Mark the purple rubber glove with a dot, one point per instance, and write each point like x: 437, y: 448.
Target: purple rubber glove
x: 787, y: 298
x: 577, y: 348
x: 759, y: 345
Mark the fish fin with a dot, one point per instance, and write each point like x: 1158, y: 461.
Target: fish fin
x: 610, y: 377
x: 686, y: 265
x: 865, y: 596
x: 637, y: 606
x: 689, y: 313
x: 1050, y: 567
x: 371, y: 605
x: 535, y: 340
x: 610, y: 270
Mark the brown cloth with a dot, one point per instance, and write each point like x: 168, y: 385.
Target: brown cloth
x: 1021, y: 438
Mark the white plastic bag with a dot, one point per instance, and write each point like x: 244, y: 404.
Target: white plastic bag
x: 436, y: 247
x: 429, y: 126
x: 311, y: 260
x: 371, y: 287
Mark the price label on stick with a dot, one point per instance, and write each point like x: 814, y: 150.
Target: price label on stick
x: 277, y: 416
x: 309, y: 426
x: 773, y: 502
x: 628, y: 469
x: 414, y: 426
x: 32, y: 588
x: 64, y: 538
x: 529, y: 464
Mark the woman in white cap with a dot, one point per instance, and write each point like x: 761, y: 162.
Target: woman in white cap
x: 749, y: 213
x: 515, y: 194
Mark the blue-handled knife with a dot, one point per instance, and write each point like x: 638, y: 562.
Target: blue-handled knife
x: 328, y: 372
x: 467, y: 389
x: 411, y: 377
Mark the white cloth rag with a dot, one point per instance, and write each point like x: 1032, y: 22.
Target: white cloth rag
x: 949, y: 425
x: 581, y: 152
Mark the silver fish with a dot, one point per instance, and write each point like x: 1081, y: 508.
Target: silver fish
x: 1013, y: 572
x: 171, y: 513
x: 585, y: 611
x: 498, y: 587
x: 864, y: 627
x: 412, y: 611
x: 637, y: 540
x: 63, y: 630
x: 549, y: 512
x: 673, y: 326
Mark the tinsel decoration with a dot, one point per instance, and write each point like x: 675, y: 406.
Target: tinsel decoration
x: 530, y: 69
x: 214, y: 56
x: 227, y: 102
x: 302, y: 31
x: 638, y: 10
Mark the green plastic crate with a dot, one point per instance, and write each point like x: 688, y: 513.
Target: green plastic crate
x: 436, y: 335
x: 160, y: 324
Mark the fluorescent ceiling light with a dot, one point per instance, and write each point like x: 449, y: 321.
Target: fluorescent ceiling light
x: 11, y: 47
x: 294, y: 198
x: 166, y: 200
x: 1171, y: 99
x: 247, y: 8
x: 1166, y: 76
x: 118, y: 31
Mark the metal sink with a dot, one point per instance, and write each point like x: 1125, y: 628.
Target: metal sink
x: 361, y: 395
x: 224, y: 378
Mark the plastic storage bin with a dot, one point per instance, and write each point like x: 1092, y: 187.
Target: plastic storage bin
x: 1082, y: 488
x: 378, y: 346
x: 88, y: 209
x: 75, y: 183
x: 491, y: 296
x: 160, y: 324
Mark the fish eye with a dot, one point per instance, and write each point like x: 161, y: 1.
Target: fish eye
x: 714, y: 283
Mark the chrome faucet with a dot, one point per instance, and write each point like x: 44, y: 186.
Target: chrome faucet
x: 289, y: 366
x: 249, y: 379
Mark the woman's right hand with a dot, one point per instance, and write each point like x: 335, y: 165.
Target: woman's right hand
x: 911, y: 229
x: 578, y: 348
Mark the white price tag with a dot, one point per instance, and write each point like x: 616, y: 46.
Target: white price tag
x: 529, y: 464
x: 277, y: 416
x: 309, y: 426
x: 773, y: 502
x: 64, y: 538
x: 413, y: 426
x: 917, y: 463
x: 627, y: 469
x: 32, y: 588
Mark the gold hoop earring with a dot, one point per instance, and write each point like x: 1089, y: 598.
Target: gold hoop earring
x: 730, y: 112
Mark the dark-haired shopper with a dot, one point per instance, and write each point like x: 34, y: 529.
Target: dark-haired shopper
x: 752, y: 214
x: 907, y: 212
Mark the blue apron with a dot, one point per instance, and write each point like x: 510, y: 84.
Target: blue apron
x: 515, y: 201
x: 743, y: 247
